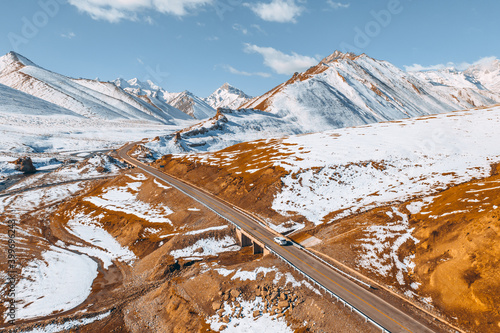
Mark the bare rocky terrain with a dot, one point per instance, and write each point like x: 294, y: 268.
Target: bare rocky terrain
x: 166, y: 276
x: 436, y: 253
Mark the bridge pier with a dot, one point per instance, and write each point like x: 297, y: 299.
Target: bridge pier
x: 257, y: 248
x: 247, y: 240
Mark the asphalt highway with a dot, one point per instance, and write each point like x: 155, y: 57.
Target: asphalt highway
x: 362, y: 298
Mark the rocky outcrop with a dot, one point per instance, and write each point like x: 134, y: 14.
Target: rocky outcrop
x: 25, y: 164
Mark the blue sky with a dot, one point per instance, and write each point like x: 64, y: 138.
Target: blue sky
x: 198, y: 45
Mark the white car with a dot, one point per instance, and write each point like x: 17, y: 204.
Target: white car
x: 281, y: 241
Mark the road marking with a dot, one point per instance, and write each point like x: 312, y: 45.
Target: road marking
x: 314, y: 269
x: 192, y: 192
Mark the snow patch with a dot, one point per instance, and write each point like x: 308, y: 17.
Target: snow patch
x: 207, y: 247
x: 124, y: 199
x: 69, y: 325
x: 59, y: 281
x: 245, y: 322
x: 380, y: 248
x: 105, y: 247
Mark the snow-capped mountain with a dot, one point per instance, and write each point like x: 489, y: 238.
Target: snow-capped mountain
x: 151, y: 94
x: 227, y: 96
x: 346, y: 90
x: 192, y: 105
x: 487, y: 72
x: 186, y: 101
x: 483, y: 75
x: 89, y: 98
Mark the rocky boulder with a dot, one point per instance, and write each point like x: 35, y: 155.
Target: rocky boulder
x: 25, y: 164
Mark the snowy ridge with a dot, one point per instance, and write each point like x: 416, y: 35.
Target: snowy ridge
x: 185, y: 101
x: 345, y: 90
x: 487, y: 72
x: 192, y: 105
x: 227, y: 128
x: 228, y: 97
x: 152, y: 95
x: 89, y: 98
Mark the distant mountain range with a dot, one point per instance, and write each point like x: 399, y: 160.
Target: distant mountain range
x: 343, y: 90
x: 346, y: 90
x: 118, y: 100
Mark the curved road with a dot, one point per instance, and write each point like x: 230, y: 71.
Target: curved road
x: 386, y: 315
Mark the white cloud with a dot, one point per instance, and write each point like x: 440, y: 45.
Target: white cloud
x: 282, y: 11
x: 459, y: 66
x: 338, y: 5
x: 233, y: 70
x: 117, y: 10
x: 258, y: 28
x: 280, y: 62
x: 69, y: 35
x: 239, y: 27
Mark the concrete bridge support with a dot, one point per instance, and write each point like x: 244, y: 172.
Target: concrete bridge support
x: 247, y: 240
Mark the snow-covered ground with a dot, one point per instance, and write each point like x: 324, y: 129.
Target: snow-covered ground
x: 364, y: 167
x: 59, y: 281
x: 354, y: 169
x: 55, y: 134
x: 69, y: 325
x: 380, y: 248
x: 246, y: 323
x: 17, y: 204
x: 207, y: 247
x: 104, y: 246
x: 39, y: 162
x: 124, y: 199
x: 241, y: 317
x: 96, y: 166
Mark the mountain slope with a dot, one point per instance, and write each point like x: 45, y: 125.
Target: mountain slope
x: 192, y: 105
x: 487, y: 72
x: 226, y: 128
x: 328, y: 172
x: 187, y: 102
x: 347, y: 90
x: 89, y: 98
x: 16, y: 102
x: 227, y: 96
x: 151, y: 94
x: 346, y: 192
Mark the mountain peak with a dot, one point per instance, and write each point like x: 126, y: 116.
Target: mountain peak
x: 14, y: 58
x: 227, y: 86
x: 339, y: 55
x: 227, y: 96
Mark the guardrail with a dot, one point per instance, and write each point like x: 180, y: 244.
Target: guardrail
x: 332, y: 294
x: 336, y: 269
